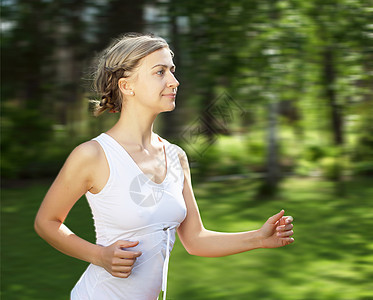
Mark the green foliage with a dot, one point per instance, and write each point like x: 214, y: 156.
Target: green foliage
x: 331, y: 168
x: 258, y: 51
x: 313, y: 153
x: 327, y: 161
x: 308, y: 160
x: 246, y: 155
x: 363, y: 150
x: 364, y: 168
x: 228, y: 155
x: 304, y: 167
x: 205, y: 161
x: 24, y: 140
x: 256, y: 153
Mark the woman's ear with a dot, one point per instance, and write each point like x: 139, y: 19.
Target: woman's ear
x: 125, y: 87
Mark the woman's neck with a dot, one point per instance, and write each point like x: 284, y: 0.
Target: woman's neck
x: 134, y: 128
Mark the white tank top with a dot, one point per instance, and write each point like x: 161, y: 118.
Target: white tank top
x: 132, y: 207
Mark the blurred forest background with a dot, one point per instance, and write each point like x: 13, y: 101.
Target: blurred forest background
x: 275, y: 110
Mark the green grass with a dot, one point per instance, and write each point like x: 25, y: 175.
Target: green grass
x: 331, y: 258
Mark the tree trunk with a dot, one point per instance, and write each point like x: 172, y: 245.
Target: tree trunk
x: 272, y: 177
x: 208, y: 126
x: 329, y: 79
x: 121, y: 17
x: 272, y: 147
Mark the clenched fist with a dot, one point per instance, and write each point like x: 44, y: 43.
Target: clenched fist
x: 118, y: 261
x: 277, y: 231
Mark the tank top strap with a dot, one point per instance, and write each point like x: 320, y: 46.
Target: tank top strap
x: 113, y: 152
x: 107, y: 146
x: 172, y: 153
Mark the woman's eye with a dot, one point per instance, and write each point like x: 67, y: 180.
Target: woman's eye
x: 160, y: 72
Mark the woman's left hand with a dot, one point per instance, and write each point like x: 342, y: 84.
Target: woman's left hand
x: 277, y: 231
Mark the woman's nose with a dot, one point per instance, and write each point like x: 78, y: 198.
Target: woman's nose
x: 173, y: 81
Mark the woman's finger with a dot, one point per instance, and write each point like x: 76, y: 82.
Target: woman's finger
x: 287, y: 241
x: 288, y: 219
x: 122, y: 269
x: 127, y: 261
x: 285, y: 220
x: 275, y: 218
x: 127, y: 254
x: 284, y: 227
x: 121, y: 274
x: 285, y: 233
x: 123, y: 261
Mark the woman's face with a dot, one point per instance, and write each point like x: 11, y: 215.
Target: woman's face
x: 154, y: 83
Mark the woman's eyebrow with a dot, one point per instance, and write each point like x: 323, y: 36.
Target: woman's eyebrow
x: 166, y: 66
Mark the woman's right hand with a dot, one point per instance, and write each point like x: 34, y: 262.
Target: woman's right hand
x: 118, y: 261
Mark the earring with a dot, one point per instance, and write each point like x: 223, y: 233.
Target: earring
x: 132, y: 93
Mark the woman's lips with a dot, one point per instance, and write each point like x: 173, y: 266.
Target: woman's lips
x: 169, y: 95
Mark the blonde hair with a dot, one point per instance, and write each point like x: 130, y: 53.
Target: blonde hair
x: 120, y: 60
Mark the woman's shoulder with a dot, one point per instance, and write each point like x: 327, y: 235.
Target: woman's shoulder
x: 87, y: 152
x: 82, y: 161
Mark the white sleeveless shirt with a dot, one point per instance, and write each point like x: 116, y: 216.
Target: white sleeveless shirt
x: 132, y: 207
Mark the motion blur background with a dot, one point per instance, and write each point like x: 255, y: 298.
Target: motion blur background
x: 275, y: 110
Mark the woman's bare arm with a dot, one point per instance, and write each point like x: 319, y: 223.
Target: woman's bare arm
x: 82, y: 168
x: 199, y: 241
x: 74, y: 179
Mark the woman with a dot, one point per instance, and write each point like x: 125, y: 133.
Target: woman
x: 138, y: 186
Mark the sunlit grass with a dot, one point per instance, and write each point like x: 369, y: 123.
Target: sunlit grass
x: 332, y: 257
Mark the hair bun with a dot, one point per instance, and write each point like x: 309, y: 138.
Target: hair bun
x: 104, y: 100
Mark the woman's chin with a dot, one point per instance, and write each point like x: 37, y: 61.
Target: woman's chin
x: 170, y: 107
